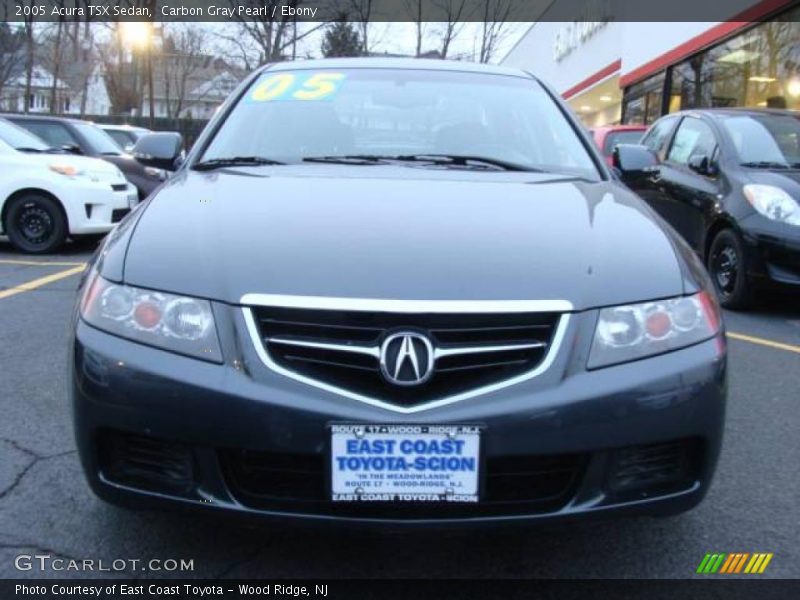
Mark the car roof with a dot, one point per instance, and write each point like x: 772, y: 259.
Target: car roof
x: 123, y: 127
x: 738, y: 111
x: 31, y: 117
x: 380, y: 62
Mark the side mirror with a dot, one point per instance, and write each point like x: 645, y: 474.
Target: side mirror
x: 71, y: 148
x: 633, y: 160
x: 703, y: 165
x: 159, y: 150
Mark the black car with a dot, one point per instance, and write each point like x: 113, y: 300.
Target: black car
x: 403, y: 291
x: 86, y: 138
x: 728, y: 180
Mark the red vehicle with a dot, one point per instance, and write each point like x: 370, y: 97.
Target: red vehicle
x: 608, y: 137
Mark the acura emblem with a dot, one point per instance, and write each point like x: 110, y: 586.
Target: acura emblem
x: 407, y: 358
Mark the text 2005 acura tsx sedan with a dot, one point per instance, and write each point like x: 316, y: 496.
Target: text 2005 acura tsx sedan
x: 401, y: 292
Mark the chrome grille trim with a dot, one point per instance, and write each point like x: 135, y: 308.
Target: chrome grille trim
x: 404, y: 306
x: 375, y: 351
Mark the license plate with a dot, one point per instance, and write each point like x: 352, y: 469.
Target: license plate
x: 133, y: 199
x: 405, y: 463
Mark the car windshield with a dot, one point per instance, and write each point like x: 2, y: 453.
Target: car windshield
x: 375, y: 114
x: 99, y: 140
x: 20, y: 139
x: 766, y: 139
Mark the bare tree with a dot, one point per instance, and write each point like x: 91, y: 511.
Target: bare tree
x: 455, y: 12
x: 30, y: 46
x: 496, y: 17
x: 270, y: 36
x: 52, y: 57
x: 12, y: 43
x: 181, y: 59
x: 414, y: 10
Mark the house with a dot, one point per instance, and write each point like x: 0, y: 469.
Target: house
x: 80, y: 89
x: 189, y: 86
x: 12, y: 97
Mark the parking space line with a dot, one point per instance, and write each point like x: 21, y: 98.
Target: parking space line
x: 763, y: 342
x: 39, y: 263
x: 32, y: 285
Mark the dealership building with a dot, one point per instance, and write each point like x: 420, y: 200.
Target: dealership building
x: 613, y: 71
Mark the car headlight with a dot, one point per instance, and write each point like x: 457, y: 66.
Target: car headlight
x: 773, y: 202
x: 67, y: 170
x: 177, y: 323
x: 633, y: 331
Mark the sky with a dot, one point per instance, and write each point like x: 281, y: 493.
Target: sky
x: 400, y: 38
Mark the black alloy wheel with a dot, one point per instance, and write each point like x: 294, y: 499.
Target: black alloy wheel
x: 35, y: 224
x: 727, y: 265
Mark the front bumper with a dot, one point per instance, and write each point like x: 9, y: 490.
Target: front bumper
x: 569, y: 420
x: 96, y: 207
x: 774, y: 249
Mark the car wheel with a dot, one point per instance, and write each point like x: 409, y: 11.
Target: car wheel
x: 35, y: 224
x: 727, y: 265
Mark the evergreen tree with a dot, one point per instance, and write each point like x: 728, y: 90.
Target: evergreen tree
x: 341, y: 39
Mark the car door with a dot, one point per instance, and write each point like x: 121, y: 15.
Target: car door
x: 690, y: 180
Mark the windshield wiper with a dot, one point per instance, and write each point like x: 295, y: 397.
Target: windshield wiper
x: 458, y: 160
x: 348, y: 159
x: 765, y: 164
x: 442, y: 160
x: 234, y: 161
x: 31, y: 150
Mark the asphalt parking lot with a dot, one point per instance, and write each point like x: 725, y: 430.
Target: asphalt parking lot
x: 47, y: 508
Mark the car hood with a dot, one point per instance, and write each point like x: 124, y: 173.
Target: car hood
x: 401, y: 233
x: 788, y: 180
x: 93, y: 166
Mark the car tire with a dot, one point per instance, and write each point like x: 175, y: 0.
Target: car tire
x: 35, y: 224
x: 727, y: 263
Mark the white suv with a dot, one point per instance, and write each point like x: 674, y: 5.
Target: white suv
x: 46, y: 195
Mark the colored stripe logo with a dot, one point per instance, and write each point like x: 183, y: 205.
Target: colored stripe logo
x: 736, y: 562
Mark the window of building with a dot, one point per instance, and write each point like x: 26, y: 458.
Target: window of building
x: 757, y: 68
x: 642, y: 102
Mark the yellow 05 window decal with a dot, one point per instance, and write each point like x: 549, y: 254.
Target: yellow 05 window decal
x: 301, y: 87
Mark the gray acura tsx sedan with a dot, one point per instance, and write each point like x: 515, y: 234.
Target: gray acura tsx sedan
x: 396, y: 292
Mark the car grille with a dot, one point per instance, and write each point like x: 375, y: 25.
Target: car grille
x: 119, y: 187
x: 342, y: 348
x: 297, y: 483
